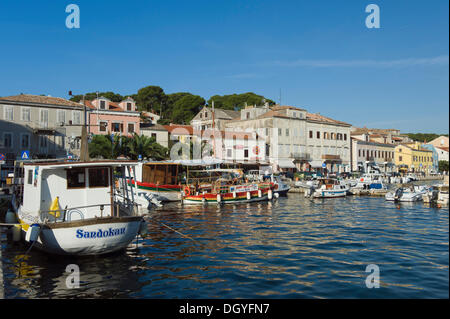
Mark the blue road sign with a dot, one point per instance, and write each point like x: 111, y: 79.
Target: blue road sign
x: 140, y: 157
x: 25, y: 155
x: 324, y: 165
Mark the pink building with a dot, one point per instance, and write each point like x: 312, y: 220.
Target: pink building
x: 107, y: 117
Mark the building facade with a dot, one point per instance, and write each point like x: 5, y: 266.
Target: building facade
x: 107, y: 117
x: 413, y: 158
x: 44, y: 126
x: 367, y: 153
x: 295, y: 139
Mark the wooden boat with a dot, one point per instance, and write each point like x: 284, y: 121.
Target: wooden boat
x: 73, y: 208
x: 221, y: 193
x: 156, y: 182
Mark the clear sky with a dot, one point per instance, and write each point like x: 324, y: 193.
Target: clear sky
x: 320, y: 54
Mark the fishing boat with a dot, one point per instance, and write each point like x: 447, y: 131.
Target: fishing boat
x: 221, y: 192
x: 328, y: 188
x: 156, y: 182
x: 74, y: 208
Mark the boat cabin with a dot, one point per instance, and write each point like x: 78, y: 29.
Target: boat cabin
x: 161, y: 173
x: 86, y: 189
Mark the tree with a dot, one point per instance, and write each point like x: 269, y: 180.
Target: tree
x: 101, y: 146
x: 114, y: 97
x: 151, y: 98
x: 237, y: 101
x: 443, y: 166
x: 186, y: 107
x: 147, y: 147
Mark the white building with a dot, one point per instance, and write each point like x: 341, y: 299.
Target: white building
x: 295, y: 139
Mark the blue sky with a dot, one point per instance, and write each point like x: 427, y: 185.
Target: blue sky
x: 319, y: 53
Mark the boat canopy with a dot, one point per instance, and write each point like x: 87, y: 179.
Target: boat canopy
x: 198, y: 162
x: 286, y: 163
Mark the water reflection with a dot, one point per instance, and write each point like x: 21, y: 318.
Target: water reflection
x: 292, y: 248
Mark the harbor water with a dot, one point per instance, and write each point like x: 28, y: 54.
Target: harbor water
x: 291, y: 248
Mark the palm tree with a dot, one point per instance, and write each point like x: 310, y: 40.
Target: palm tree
x: 147, y: 147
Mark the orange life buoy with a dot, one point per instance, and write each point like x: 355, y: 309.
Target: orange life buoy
x: 187, y: 191
x: 362, y: 179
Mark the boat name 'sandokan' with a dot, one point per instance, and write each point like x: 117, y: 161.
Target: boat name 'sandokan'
x: 100, y: 233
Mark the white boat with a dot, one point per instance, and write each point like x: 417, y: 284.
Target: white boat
x: 443, y: 198
x: 407, y: 194
x: 328, y: 188
x: 73, y: 208
x: 280, y: 187
x: 431, y: 195
x: 370, y: 181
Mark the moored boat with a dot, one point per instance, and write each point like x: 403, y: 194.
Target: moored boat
x: 74, y: 208
x: 328, y: 188
x: 221, y: 193
x: 156, y: 182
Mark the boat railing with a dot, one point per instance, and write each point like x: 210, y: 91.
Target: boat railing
x: 64, y: 215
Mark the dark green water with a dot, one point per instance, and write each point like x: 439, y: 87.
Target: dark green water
x: 293, y: 248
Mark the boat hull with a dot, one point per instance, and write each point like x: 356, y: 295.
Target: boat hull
x: 329, y: 193
x: 163, y: 193
x: 227, y: 198
x: 95, y: 236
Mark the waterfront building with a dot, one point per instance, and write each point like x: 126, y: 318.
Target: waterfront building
x: 295, y: 139
x: 384, y: 136
x: 234, y: 146
x: 157, y: 131
x: 369, y: 152
x: 107, y: 117
x: 442, y: 153
x: 206, y: 119
x: 44, y: 126
x: 435, y: 155
x: 441, y: 141
x: 414, y: 158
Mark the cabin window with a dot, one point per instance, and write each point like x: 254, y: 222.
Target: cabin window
x: 76, y: 178
x: 30, y: 177
x: 98, y: 177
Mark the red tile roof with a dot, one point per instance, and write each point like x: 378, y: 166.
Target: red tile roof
x: 179, y: 129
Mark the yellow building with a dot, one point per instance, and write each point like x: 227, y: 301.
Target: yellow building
x: 412, y: 157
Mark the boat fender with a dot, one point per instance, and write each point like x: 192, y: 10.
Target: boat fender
x: 259, y: 193
x: 143, y: 230
x: 16, y: 230
x: 234, y: 194
x: 270, y: 194
x: 276, y: 195
x: 204, y: 200
x: 10, y: 217
x: 249, y: 195
x: 32, y: 233
x: 219, y: 198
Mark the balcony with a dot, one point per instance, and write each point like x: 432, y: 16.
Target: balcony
x: 300, y: 156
